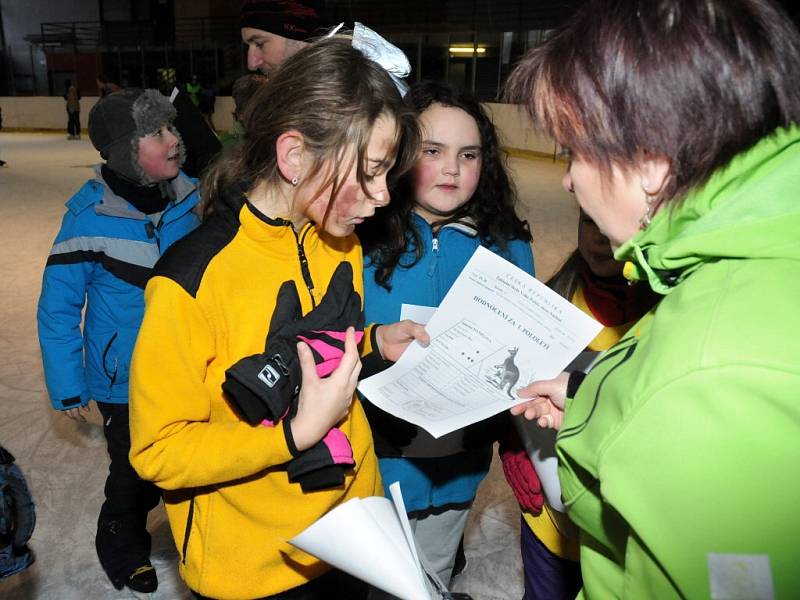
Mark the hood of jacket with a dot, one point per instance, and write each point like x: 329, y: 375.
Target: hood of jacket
x: 748, y: 209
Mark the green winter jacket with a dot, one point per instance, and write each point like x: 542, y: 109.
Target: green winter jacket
x: 680, y: 453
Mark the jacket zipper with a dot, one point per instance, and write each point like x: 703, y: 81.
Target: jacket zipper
x: 158, y: 233
x: 434, y: 254
x: 111, y: 376
x: 576, y: 429
x: 161, y: 219
x: 158, y: 227
x: 301, y: 253
x: 188, y: 530
x: 433, y: 268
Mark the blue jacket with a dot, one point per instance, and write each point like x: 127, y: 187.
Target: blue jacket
x: 428, y: 281
x: 446, y: 471
x: 102, y: 257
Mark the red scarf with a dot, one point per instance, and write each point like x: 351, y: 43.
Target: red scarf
x: 615, y: 301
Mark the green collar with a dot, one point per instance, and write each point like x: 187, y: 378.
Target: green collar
x: 747, y: 209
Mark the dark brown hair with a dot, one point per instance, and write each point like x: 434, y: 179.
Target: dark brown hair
x: 491, y: 209
x: 333, y: 95
x: 695, y: 82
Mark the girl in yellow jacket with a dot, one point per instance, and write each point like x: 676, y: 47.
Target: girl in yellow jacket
x: 281, y: 208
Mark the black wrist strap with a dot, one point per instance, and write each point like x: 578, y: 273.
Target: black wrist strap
x: 373, y: 362
x: 287, y: 433
x: 575, y: 380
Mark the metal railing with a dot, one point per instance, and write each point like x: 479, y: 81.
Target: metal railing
x: 91, y: 36
x: 139, y: 53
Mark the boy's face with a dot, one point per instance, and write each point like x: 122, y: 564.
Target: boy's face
x: 159, y: 155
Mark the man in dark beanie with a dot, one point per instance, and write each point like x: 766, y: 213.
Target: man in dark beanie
x: 115, y: 229
x: 275, y: 29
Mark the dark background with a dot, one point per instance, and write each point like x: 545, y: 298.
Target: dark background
x: 157, y: 43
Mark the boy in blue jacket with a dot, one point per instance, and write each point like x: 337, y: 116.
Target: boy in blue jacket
x: 115, y: 229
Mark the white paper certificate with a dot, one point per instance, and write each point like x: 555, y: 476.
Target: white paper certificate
x: 496, y: 330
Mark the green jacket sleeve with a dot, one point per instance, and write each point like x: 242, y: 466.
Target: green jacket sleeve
x: 706, y: 467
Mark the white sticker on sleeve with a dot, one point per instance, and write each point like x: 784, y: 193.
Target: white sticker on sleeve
x: 740, y: 577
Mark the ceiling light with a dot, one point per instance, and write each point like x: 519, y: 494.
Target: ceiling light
x: 467, y: 50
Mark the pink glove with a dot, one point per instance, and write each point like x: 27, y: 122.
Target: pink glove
x: 520, y: 474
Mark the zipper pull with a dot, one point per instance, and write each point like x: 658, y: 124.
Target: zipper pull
x: 304, y: 264
x: 434, y: 256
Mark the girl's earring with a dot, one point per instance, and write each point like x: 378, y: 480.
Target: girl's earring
x: 295, y: 181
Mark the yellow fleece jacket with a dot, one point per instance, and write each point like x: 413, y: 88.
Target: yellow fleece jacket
x: 229, y: 502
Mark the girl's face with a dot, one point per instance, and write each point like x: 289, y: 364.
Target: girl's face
x: 448, y: 171
x: 616, y: 206
x: 352, y: 203
x: 596, y: 249
x: 159, y: 155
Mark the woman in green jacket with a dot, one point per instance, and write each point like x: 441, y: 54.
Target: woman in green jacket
x: 677, y: 450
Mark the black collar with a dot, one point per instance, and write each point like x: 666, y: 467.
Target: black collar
x: 148, y: 199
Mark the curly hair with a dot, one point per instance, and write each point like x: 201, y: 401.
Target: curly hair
x: 491, y: 210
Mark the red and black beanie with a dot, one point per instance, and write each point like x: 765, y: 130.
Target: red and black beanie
x: 293, y: 19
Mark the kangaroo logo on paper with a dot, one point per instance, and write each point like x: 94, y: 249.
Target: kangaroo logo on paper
x: 506, y: 374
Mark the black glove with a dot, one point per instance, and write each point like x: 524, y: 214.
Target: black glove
x: 263, y: 386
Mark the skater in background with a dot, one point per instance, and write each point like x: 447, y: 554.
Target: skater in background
x: 244, y: 88
x: 72, y: 96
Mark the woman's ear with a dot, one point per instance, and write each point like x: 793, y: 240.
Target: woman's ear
x: 654, y: 173
x: 289, y: 149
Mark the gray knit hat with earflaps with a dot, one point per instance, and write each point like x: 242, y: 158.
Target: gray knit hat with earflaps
x: 119, y: 120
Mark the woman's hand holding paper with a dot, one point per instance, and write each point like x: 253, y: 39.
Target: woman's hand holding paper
x: 545, y: 401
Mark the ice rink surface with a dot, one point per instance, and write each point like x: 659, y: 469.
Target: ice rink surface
x: 66, y: 463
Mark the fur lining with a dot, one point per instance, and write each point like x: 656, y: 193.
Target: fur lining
x: 150, y: 112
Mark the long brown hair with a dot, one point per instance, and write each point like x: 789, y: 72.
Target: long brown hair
x: 333, y: 95
x: 388, y: 237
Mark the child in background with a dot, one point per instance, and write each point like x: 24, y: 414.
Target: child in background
x: 73, y: 97
x: 115, y: 228
x: 244, y: 88
x: 592, y: 280
x: 457, y: 197
x: 229, y: 414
